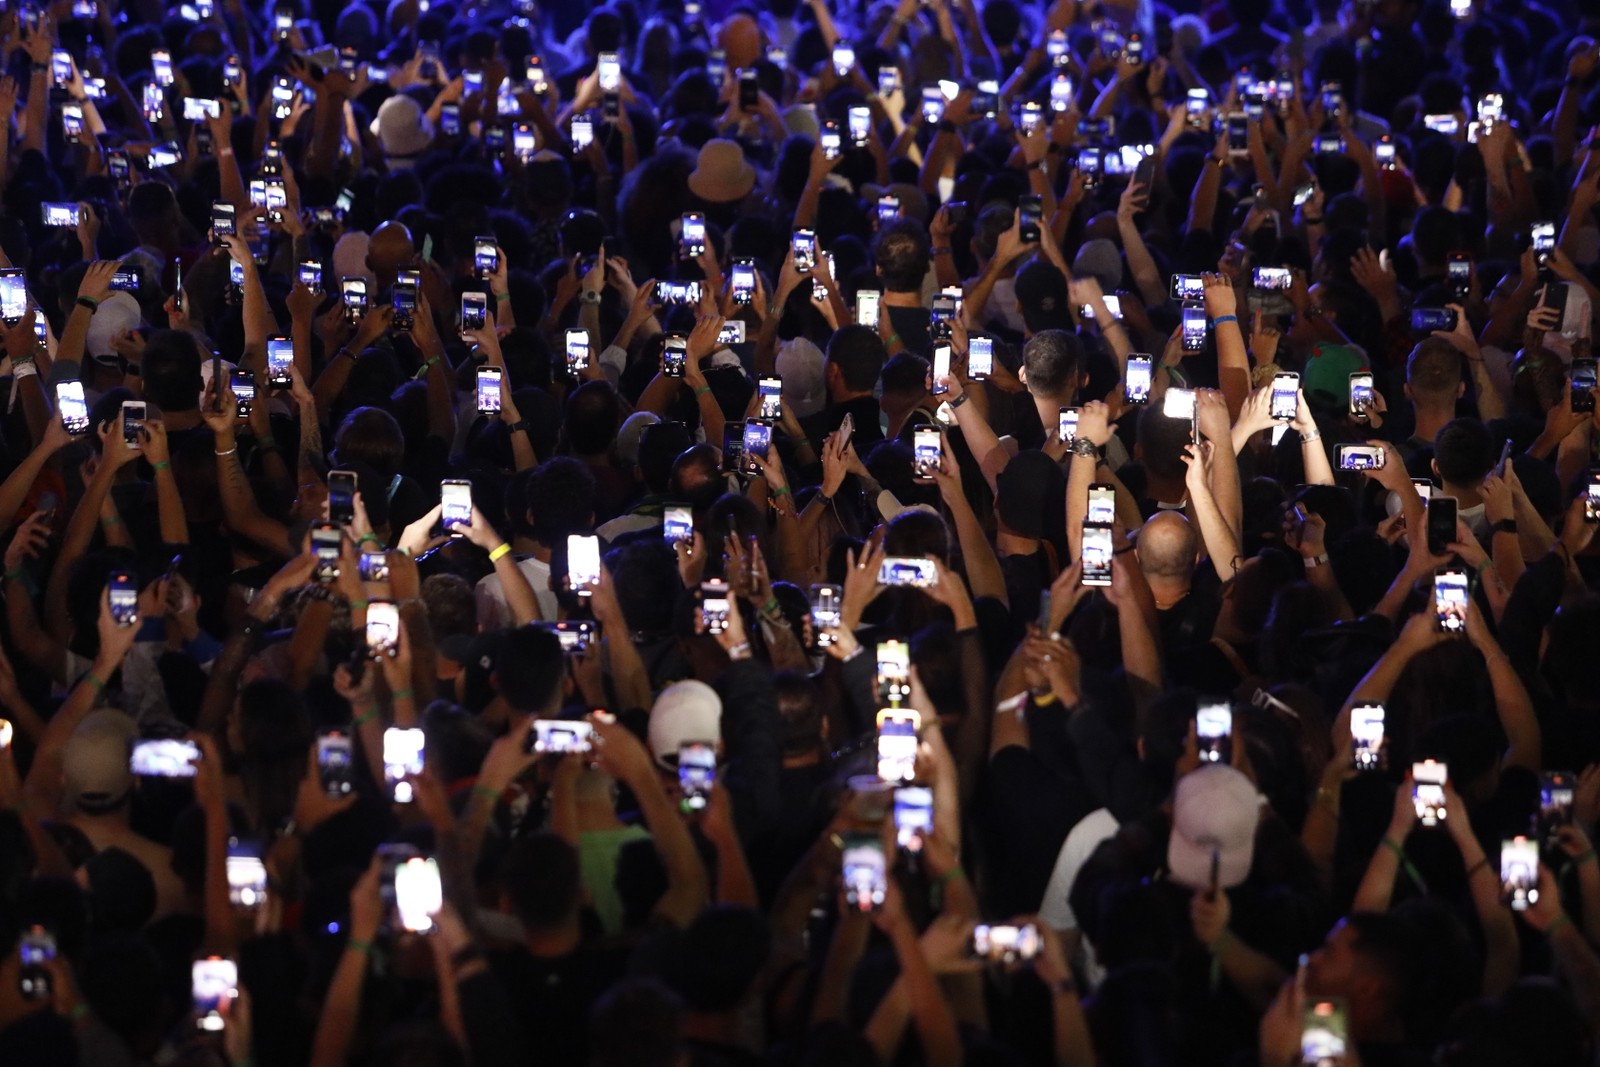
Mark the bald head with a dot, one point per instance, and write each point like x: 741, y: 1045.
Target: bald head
x: 740, y: 37
x: 389, y: 251
x: 1167, y: 547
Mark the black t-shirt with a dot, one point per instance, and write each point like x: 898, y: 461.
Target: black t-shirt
x: 803, y: 814
x: 553, y: 996
x: 1030, y: 811
x: 912, y: 326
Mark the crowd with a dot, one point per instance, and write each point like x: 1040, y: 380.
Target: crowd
x: 924, y: 532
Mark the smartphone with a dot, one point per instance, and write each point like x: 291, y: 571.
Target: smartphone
x: 1426, y: 320
x: 402, y: 755
x: 1030, y: 213
x: 926, y: 453
x: 418, y: 893
x: 577, y: 351
x: 913, y: 817
x: 133, y: 419
x: 1584, y: 380
x: 1366, y: 737
x: 404, y: 298
x: 247, y: 880
x: 1556, y: 793
x: 244, y: 392
x: 1136, y: 381
x: 898, y: 729
x: 383, y: 628
x: 771, y: 391
x: 13, y: 295
x: 674, y: 354
x: 455, y: 497
x: 610, y: 73
x: 583, y: 563
x: 867, y: 305
x: 489, y: 390
x: 1519, y: 872
x: 865, y: 875
x: 72, y: 133
x: 677, y: 524
x: 1194, y: 329
x: 59, y: 216
x: 732, y: 447
x: 907, y: 570
x: 1102, y: 504
x: 757, y: 440
x: 341, y: 497
x: 334, y: 756
x: 832, y: 144
x: 74, y: 408
x: 980, y: 357
x: 124, y: 599
x: 826, y: 611
x: 697, y: 774
x: 1285, y: 396
x: 1096, y: 556
x: 166, y: 757
x: 1271, y: 279
x: 1067, y: 425
x: 326, y: 542
x: 941, y: 367
x: 474, y: 313
x: 1324, y: 1032
x: 1361, y: 394
x: 36, y: 948
x: 280, y: 357
x: 1188, y: 288
x: 1178, y: 404
x: 1359, y: 458
x: 1004, y: 945
x: 692, y: 235
x: 354, y: 293
x: 1213, y: 727
x: 714, y: 605
x: 1441, y: 524
x: 860, y: 125
x: 213, y: 985
x: 744, y: 281
x: 894, y: 676
x: 805, y: 250
x: 560, y: 736
x: 1544, y: 241
x: 1450, y: 598
x: 1458, y: 271
x: 1591, y: 496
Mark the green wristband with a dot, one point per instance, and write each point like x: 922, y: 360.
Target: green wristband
x: 372, y: 713
x: 360, y: 605
x: 356, y: 944
x: 161, y: 465
x: 402, y: 694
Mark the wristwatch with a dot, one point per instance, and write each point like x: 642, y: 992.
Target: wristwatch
x: 1082, y: 446
x: 958, y: 401
x: 589, y: 296
x: 1503, y: 526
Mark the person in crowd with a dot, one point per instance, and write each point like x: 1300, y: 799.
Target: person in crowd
x: 678, y: 534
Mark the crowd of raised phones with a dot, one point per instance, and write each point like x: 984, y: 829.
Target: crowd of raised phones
x: 689, y: 534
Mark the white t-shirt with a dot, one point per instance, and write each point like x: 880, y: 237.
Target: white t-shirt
x: 1085, y: 837
x: 493, y: 611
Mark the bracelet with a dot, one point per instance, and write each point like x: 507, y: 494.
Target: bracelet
x: 360, y: 604
x: 1124, y: 549
x: 958, y: 401
x: 1307, y: 438
x: 499, y: 553
x: 1557, y: 923
x: 702, y: 391
x: 99, y: 686
x: 403, y: 694
x: 224, y: 152
x: 1220, y: 319
x: 771, y: 607
x: 500, y: 298
x: 1309, y: 221
x: 892, y: 340
x: 88, y: 302
x: 1390, y: 844
x: 17, y: 575
x: 226, y: 451
x: 161, y: 465
x: 428, y: 364
x: 371, y: 713
x: 951, y: 875
x: 368, y: 536
x: 939, y: 251
x: 355, y: 944
x: 1583, y: 857
x: 78, y: 1011
x: 1507, y: 526
x: 781, y: 492
x: 266, y: 441
x: 739, y: 651
x: 1222, y: 941
x: 486, y: 792
x: 111, y: 520
x: 1476, y: 867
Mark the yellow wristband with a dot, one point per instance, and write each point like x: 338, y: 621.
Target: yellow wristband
x: 496, y: 555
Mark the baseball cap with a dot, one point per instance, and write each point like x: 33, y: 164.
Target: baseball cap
x: 1030, y: 487
x: 1042, y: 297
x: 95, y: 763
x: 1215, y: 811
x: 685, y: 711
